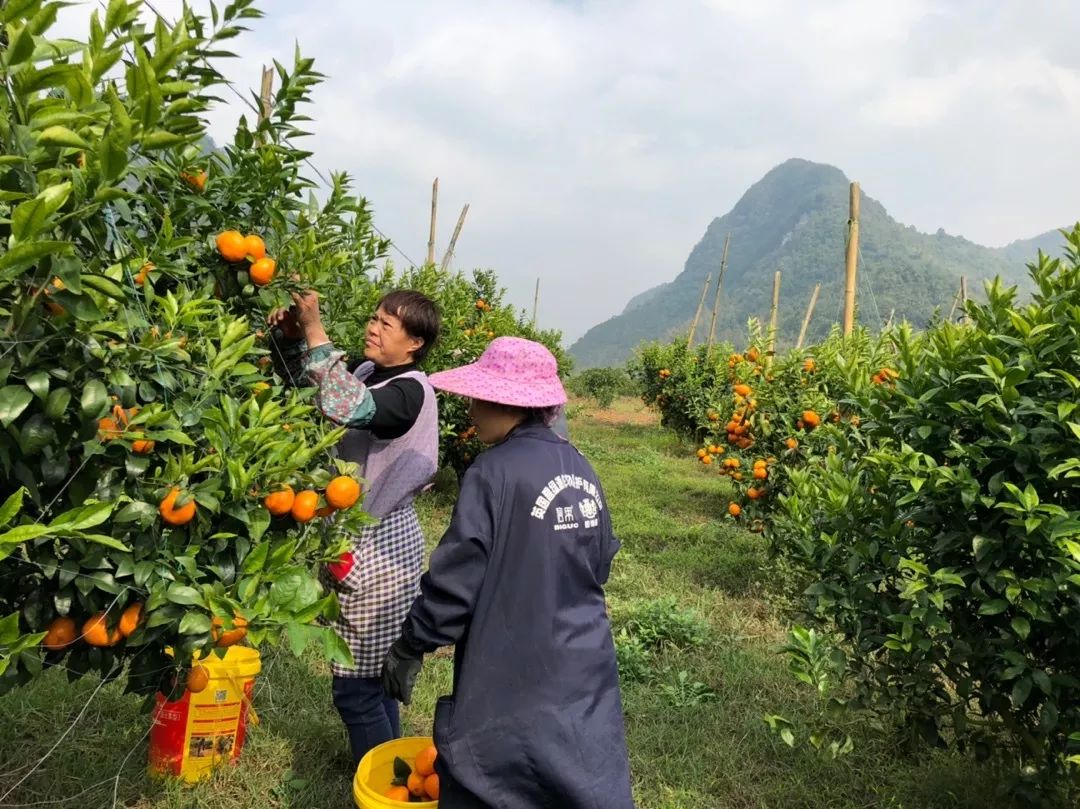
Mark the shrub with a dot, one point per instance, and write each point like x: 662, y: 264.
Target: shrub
x: 941, y: 544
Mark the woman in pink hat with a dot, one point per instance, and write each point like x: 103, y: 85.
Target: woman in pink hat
x: 516, y: 585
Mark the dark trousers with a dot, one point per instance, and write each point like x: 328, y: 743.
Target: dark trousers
x: 370, y: 716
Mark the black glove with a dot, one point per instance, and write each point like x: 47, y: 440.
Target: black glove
x: 399, y: 671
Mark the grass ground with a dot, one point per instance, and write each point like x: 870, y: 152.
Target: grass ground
x: 687, y: 585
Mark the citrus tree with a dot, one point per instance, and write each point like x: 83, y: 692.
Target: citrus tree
x: 159, y: 486
x: 938, y: 549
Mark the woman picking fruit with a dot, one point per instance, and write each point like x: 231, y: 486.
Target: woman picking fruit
x: 516, y: 584
x: 392, y: 410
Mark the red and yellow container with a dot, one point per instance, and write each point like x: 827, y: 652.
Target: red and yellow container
x: 199, y: 732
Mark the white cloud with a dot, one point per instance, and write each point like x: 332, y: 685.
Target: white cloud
x: 596, y: 139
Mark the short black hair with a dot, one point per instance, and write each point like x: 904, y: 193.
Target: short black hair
x: 418, y: 314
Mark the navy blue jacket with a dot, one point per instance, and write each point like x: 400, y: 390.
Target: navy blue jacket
x: 517, y: 584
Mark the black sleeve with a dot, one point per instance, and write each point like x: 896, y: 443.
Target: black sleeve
x: 397, y: 406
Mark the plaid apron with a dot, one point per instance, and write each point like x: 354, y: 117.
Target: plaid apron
x: 377, y: 593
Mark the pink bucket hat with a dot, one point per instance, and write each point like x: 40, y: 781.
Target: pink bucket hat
x: 511, y: 371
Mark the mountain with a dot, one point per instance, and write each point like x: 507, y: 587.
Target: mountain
x: 1024, y: 250
x: 795, y: 220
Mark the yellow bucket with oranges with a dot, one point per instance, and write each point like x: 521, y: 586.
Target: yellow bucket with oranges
x: 375, y: 776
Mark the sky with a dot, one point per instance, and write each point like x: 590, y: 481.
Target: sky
x: 595, y: 140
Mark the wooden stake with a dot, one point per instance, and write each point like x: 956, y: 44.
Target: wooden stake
x: 536, y: 302
x: 434, y: 210
x: 963, y: 299
x: 852, y: 260
x: 697, y: 314
x: 453, y: 239
x: 952, y: 309
x: 773, y: 312
x: 888, y: 323
x: 719, y: 286
x: 265, y: 93
x: 809, y: 314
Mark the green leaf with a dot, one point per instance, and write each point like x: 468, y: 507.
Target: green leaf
x: 22, y: 533
x: 83, y: 517
x: 104, y: 539
x: 57, y: 403
x: 1042, y: 680
x: 95, y: 399
x: 32, y: 216
x: 38, y: 382
x: 336, y: 649
x: 1021, y: 691
x: 184, y: 595
x: 12, y: 505
x: 61, y: 136
x: 1021, y: 626
x: 255, y: 560
x: 23, y: 255
x: 160, y: 139
x: 113, y: 153
x: 13, y: 401
x: 995, y: 607
x: 106, y: 286
x: 402, y: 770
x: 194, y: 623
x: 18, y: 9
x: 9, y: 629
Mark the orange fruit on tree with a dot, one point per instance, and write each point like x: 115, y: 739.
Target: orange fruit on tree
x: 96, y: 631
x: 280, y: 502
x: 144, y: 273
x: 706, y: 459
x: 231, y: 246
x: 397, y: 794
x: 425, y: 760
x: 415, y: 785
x: 59, y: 634
x: 734, y: 509
x: 254, y: 246
x: 811, y: 418
x: 343, y: 491
x: 304, y: 505
x: 173, y: 514
x: 809, y: 365
x: 197, y: 679
x: 760, y: 473
x: 142, y: 446
x: 262, y: 271
x: 738, y: 476
x: 755, y: 494
x: 702, y: 453
x: 743, y: 389
x: 108, y: 429
x: 752, y: 354
x: 129, y: 619
x: 228, y: 637
x: 431, y: 786
x: 196, y: 180
x: 791, y: 443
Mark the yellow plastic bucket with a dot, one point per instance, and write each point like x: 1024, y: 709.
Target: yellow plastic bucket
x: 195, y: 734
x: 376, y: 773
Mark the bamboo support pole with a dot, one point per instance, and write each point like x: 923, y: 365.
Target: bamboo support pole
x: 453, y: 239
x: 697, y: 314
x: 719, y: 286
x: 809, y: 314
x: 852, y: 260
x: 434, y: 212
